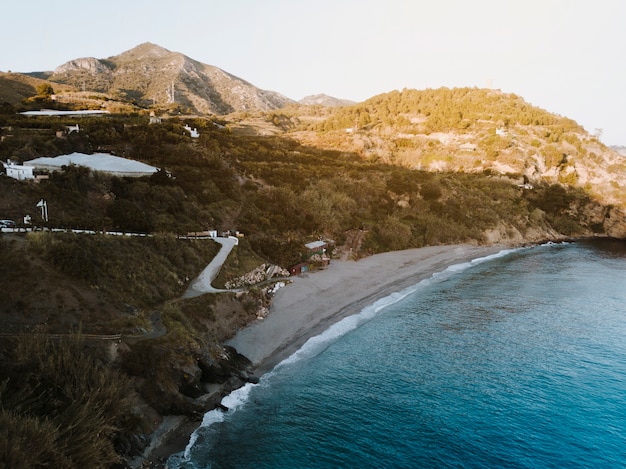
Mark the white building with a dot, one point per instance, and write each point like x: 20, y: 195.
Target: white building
x: 18, y: 171
x: 55, y: 112
x: 192, y: 132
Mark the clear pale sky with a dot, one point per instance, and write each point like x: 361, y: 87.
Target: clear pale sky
x: 565, y: 56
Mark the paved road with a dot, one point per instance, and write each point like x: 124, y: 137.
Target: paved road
x: 202, y: 284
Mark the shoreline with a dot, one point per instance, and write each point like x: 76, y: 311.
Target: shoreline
x: 312, y: 303
x: 315, y: 301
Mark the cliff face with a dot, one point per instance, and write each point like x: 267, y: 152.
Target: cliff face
x: 614, y: 221
x: 87, y: 64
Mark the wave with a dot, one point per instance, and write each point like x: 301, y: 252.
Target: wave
x: 317, y: 344
x: 232, y: 402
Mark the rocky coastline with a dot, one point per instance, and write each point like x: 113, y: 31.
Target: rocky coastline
x: 309, y: 304
x: 322, y: 298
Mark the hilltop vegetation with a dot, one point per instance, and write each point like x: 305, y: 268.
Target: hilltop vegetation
x: 444, y: 109
x: 469, y: 130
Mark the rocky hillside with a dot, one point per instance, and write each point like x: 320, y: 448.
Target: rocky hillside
x: 471, y: 130
x: 324, y: 100
x: 150, y: 74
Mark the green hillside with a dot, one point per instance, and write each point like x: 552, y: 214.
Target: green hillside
x: 277, y: 191
x: 469, y: 130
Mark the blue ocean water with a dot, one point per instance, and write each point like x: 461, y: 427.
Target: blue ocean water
x: 515, y: 361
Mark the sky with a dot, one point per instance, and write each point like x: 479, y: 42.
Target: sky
x: 565, y: 56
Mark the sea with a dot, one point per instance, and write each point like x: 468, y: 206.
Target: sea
x: 516, y: 360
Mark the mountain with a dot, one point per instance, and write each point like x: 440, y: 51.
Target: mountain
x: 461, y: 130
x: 150, y: 74
x: 324, y: 100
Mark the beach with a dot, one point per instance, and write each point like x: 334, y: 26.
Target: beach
x: 456, y: 371
x: 313, y: 301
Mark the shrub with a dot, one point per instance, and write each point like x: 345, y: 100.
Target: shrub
x: 430, y: 190
x: 138, y: 271
x: 55, y: 385
x: 17, y: 434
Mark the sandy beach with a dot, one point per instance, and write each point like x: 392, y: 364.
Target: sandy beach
x: 314, y: 301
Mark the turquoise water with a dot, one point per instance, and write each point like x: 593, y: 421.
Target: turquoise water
x: 518, y: 361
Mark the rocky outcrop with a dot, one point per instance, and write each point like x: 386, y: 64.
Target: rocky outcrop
x: 511, y: 235
x: 260, y: 274
x: 614, y: 223
x: 89, y: 64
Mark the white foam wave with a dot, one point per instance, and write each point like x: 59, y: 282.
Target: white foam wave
x: 552, y: 243
x: 463, y: 266
x: 232, y: 402
x: 211, y: 417
x: 315, y: 345
x: 238, y: 397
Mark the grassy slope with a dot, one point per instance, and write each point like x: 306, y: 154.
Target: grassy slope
x: 62, y: 283
x: 105, y: 284
x: 15, y: 87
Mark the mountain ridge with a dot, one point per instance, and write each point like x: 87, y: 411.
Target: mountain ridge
x: 470, y: 130
x: 149, y: 74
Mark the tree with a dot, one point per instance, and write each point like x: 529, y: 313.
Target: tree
x: 364, y: 119
x: 45, y: 90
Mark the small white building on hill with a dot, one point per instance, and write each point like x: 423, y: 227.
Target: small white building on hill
x: 18, y: 171
x: 193, y: 133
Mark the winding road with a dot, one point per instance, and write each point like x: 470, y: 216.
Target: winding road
x: 202, y: 283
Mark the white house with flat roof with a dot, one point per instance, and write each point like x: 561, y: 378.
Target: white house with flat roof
x: 192, y: 132
x: 18, y: 171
